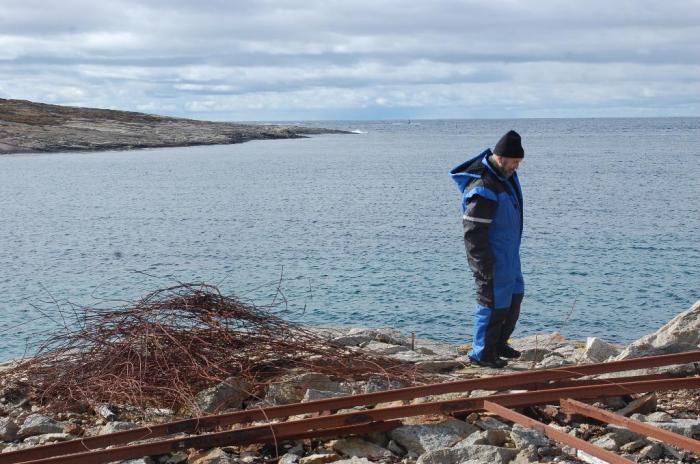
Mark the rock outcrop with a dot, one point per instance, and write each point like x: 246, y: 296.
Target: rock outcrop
x: 28, y: 127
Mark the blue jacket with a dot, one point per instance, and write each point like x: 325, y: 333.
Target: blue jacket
x: 492, y: 209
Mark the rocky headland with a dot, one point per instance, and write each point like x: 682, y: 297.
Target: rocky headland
x: 29, y: 127
x: 434, y: 439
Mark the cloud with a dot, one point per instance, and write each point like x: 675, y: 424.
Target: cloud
x: 249, y: 59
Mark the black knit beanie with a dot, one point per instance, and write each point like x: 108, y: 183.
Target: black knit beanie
x: 509, y: 146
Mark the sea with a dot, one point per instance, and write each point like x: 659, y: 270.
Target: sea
x: 361, y: 229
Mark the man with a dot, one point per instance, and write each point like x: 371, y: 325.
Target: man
x: 492, y: 203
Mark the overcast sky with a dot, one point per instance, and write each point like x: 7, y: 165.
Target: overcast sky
x: 307, y: 59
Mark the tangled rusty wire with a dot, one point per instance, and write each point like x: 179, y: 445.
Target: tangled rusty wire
x: 165, y: 348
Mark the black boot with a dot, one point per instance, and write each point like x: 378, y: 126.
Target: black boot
x: 492, y: 362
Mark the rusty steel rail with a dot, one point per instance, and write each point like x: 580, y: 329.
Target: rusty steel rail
x: 291, y: 429
x: 500, y: 382
x: 666, y: 436
x: 266, y: 435
x: 554, y: 434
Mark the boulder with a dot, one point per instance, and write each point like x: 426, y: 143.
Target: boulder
x: 659, y: 416
x: 357, y: 447
x: 8, y: 429
x: 420, y: 439
x: 228, y: 394
x: 38, y: 424
x: 682, y: 333
x: 291, y: 389
x: 524, y: 437
x: 598, y: 350
x: 464, y: 454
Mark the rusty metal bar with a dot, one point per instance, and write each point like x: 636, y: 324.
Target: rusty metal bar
x: 242, y: 437
x: 500, y: 382
x: 588, y: 382
x: 291, y: 428
x: 554, y: 434
x: 666, y: 436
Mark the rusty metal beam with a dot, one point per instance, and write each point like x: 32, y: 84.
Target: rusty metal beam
x: 666, y: 436
x: 242, y: 437
x: 292, y: 428
x: 554, y: 434
x: 588, y: 382
x: 500, y: 382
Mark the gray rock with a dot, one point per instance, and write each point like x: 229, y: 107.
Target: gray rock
x: 653, y: 451
x: 598, y: 350
x: 312, y: 395
x: 633, y: 446
x: 526, y: 456
x: 376, y: 384
x: 524, y: 437
x: 383, y: 348
x: 687, y: 427
x: 145, y: 460
x: 360, y: 448
x: 118, y: 426
x: 475, y: 453
x: 682, y: 333
x: 659, y: 416
x: 104, y: 411
x: 354, y: 460
x: 478, y: 438
x: 288, y: 458
x: 48, y: 438
x: 228, y: 394
x: 248, y: 457
x: 622, y: 435
x: 395, y: 448
x: 536, y: 347
x: 291, y: 389
x: 607, y: 442
x: 38, y: 424
x: 553, y: 359
x: 493, y: 437
x: 8, y: 429
x: 420, y: 439
x: 358, y: 336
x: 319, y: 458
x: 489, y: 422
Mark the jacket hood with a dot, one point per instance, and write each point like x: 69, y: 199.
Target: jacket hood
x: 469, y: 171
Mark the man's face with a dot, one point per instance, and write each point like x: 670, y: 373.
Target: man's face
x: 509, y: 165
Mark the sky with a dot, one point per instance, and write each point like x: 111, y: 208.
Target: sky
x: 314, y: 60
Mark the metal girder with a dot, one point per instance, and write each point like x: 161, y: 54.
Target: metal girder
x: 500, y: 382
x: 554, y: 434
x: 666, y: 436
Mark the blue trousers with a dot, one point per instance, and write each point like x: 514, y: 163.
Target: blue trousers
x: 493, y: 328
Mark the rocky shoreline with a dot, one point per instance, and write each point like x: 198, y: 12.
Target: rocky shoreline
x: 28, y: 127
x: 431, y: 439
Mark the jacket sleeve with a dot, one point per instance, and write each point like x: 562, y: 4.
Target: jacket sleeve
x: 479, y: 212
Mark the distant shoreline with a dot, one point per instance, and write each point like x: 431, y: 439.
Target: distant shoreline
x: 29, y: 127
